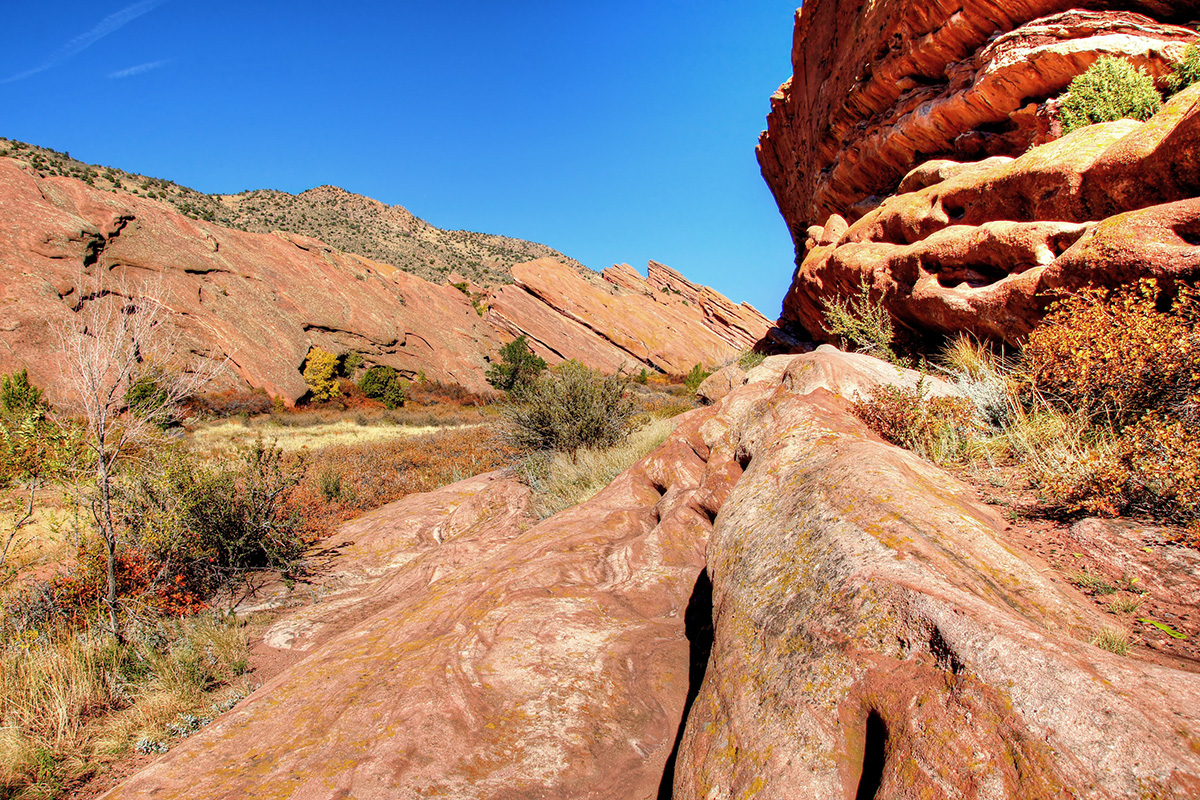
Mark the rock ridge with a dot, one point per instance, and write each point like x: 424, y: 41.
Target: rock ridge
x: 262, y: 300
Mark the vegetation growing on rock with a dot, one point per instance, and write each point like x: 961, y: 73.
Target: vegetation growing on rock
x: 1109, y: 90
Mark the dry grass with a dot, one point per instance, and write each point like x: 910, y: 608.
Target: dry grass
x: 1114, y: 640
x: 1092, y: 583
x: 70, y: 700
x: 345, y: 480
x: 228, y: 435
x: 561, y: 480
x: 1126, y: 604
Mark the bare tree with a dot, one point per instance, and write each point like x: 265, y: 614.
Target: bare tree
x: 126, y: 373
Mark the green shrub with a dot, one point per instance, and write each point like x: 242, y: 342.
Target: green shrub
x: 642, y: 377
x: 569, y: 408
x: 320, y: 373
x: 1186, y: 72
x: 17, y: 394
x: 695, y: 377
x: 749, y: 359
x: 518, y: 367
x: 1111, y: 89
x: 208, y: 526
x: 862, y: 323
x: 351, y: 363
x: 384, y: 383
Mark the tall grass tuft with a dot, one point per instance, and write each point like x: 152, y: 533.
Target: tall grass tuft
x: 71, y: 698
x: 562, y: 480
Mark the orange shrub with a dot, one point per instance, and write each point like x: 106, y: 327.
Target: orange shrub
x: 1116, y: 354
x: 1129, y: 358
x: 1154, y: 469
x: 933, y: 427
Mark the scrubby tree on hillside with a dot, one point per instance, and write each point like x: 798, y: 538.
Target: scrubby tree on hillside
x: 33, y: 448
x: 518, y: 367
x: 118, y: 338
x: 320, y: 373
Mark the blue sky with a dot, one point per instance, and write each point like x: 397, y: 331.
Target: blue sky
x: 617, y: 131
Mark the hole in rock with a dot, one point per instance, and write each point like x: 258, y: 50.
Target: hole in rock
x: 944, y: 653
x: 698, y: 625
x: 743, y: 459
x: 954, y: 211
x: 974, y: 276
x: 874, y: 757
x: 1189, y: 231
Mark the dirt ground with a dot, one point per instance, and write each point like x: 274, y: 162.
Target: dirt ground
x: 1127, y: 568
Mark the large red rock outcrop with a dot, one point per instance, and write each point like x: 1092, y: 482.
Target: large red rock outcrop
x: 901, y: 123
x: 869, y: 632
x: 263, y: 300
x: 984, y: 248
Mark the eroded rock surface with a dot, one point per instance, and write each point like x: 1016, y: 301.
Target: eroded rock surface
x: 263, y: 300
x: 868, y: 626
x: 916, y: 149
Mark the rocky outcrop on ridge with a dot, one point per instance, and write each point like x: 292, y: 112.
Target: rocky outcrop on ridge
x: 776, y: 603
x: 262, y: 301
x: 349, y: 222
x: 915, y: 148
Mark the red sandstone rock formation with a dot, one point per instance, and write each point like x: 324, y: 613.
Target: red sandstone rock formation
x: 985, y: 248
x: 868, y: 623
x: 890, y: 153
x: 263, y: 300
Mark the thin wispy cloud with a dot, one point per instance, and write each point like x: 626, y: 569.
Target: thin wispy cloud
x: 110, y: 24
x: 138, y: 70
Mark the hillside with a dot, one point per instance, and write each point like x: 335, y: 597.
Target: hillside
x: 347, y: 221
x: 261, y: 301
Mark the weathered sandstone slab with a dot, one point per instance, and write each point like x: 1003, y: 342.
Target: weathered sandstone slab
x: 879, y: 88
x: 867, y: 632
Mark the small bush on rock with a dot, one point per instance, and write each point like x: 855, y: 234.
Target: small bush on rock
x: 936, y: 428
x: 569, y: 408
x: 862, y: 323
x: 1186, y: 72
x: 1109, y: 90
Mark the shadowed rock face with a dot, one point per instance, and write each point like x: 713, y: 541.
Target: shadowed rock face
x: 263, y: 300
x: 915, y: 148
x: 869, y: 633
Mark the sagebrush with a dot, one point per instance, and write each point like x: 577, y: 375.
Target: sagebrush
x: 1110, y: 89
x: 570, y: 407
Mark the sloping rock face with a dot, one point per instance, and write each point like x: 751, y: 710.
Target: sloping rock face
x: 263, y: 300
x: 894, y: 105
x: 665, y: 327
x: 463, y: 651
x: 859, y: 628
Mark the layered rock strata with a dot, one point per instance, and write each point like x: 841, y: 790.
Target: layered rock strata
x: 915, y: 149
x: 262, y: 301
x: 825, y: 614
